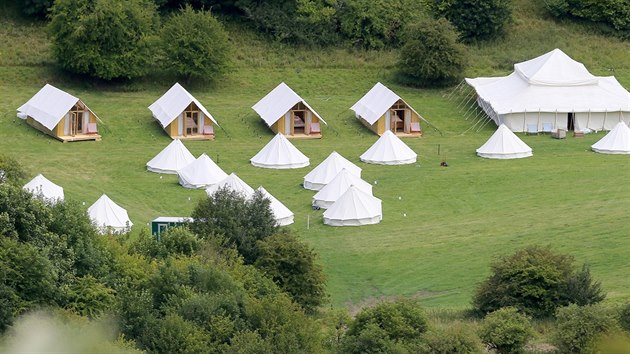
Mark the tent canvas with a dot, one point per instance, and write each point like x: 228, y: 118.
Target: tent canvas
x: 379, y: 109
x: 617, y: 141
x: 60, y: 114
x: 232, y: 182
x: 279, y: 153
x: 109, y: 216
x: 337, y: 187
x: 170, y: 111
x: 504, y: 144
x: 201, y: 173
x: 553, y: 89
x: 281, y: 213
x: 389, y: 150
x: 354, y: 208
x: 279, y: 110
x: 327, y: 170
x: 171, y: 159
x: 41, y: 186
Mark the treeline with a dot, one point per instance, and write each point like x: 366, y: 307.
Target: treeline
x: 612, y: 16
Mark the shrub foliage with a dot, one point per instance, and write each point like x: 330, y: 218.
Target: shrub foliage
x: 579, y: 327
x: 475, y: 19
x: 506, y: 330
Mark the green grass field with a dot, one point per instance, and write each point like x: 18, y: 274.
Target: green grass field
x: 458, y: 219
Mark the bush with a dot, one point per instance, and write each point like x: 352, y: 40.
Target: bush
x: 624, y: 317
x: 475, y: 19
x: 507, y: 330
x: 612, y: 13
x: 392, y: 327
x: 293, y: 266
x: 455, y: 338
x: 104, y: 39
x: 11, y: 171
x: 578, y: 327
x: 534, y: 280
x: 240, y: 221
x: 195, y: 45
x: 431, y: 54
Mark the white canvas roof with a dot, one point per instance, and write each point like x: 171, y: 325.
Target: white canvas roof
x: 201, y: 173
x: 552, y: 82
x: 279, y: 153
x: 278, y: 102
x: 48, y: 106
x: 617, y: 141
x: 108, y: 215
x: 389, y: 150
x: 376, y: 102
x: 171, y: 159
x: 504, y: 144
x: 327, y: 170
x: 354, y: 208
x: 41, y: 186
x: 337, y: 187
x: 282, y: 214
x: 168, y: 107
x: 232, y: 182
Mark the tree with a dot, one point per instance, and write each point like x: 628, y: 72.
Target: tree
x: 11, y: 171
x: 506, y: 330
x: 453, y: 338
x: 239, y: 220
x: 431, y: 54
x: 36, y: 8
x: 475, y: 19
x: 293, y: 265
x: 104, y: 39
x: 534, y: 280
x: 195, y: 45
x: 387, y: 327
x: 578, y: 327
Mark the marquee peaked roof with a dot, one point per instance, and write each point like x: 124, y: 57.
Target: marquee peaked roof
x: 42, y: 186
x: 48, y: 106
x: 171, y: 159
x: 279, y: 153
x: 277, y: 102
x: 354, y: 208
x: 201, y: 173
x: 327, y: 170
x: 389, y: 150
x: 172, y: 103
x: 107, y: 214
x: 504, y: 144
x: 617, y: 141
x: 376, y: 102
x: 281, y: 213
x: 552, y: 82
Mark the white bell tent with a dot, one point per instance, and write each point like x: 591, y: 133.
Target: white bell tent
x: 232, y: 182
x: 201, y: 173
x: 389, y: 150
x: 617, y: 141
x: 42, y: 187
x: 337, y: 187
x: 108, y: 216
x: 354, y: 208
x: 282, y: 214
x: 553, y: 92
x: 504, y: 144
x: 171, y: 159
x: 327, y: 170
x: 279, y: 153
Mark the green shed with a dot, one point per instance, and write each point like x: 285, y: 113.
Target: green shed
x: 163, y: 223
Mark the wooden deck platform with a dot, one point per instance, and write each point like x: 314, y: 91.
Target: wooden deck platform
x: 78, y: 137
x: 304, y: 136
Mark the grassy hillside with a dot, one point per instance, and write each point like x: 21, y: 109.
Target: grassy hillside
x: 458, y: 219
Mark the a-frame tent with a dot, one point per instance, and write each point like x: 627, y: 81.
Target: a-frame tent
x: 182, y: 116
x: 60, y: 115
x: 284, y: 111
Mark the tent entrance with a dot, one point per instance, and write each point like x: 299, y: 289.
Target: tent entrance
x: 571, y: 121
x: 399, y: 117
x: 298, y: 119
x: 76, y: 120
x: 191, y: 120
